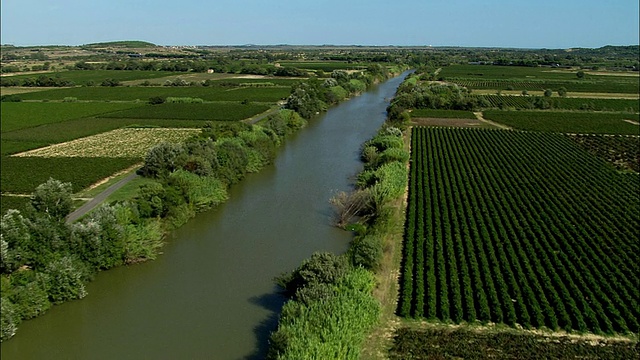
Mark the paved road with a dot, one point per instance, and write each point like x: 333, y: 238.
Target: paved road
x: 81, y: 211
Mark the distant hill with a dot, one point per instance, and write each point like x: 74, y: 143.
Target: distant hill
x: 631, y: 51
x: 121, y: 44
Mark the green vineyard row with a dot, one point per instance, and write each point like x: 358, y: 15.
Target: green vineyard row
x: 519, y: 228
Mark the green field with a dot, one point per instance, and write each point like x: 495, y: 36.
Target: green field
x: 536, y: 78
x: 12, y: 202
x: 207, y: 111
x: 99, y: 93
x: 442, y: 114
x: 566, y: 122
x: 27, y: 139
x: 82, y: 77
x: 479, y: 344
x: 519, y: 228
x: 583, y: 104
x: 258, y: 82
x: 20, y: 115
x: 21, y: 175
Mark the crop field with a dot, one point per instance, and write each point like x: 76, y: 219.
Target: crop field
x: 32, y: 138
x: 603, y: 86
x: 622, y: 151
x: 82, y: 77
x: 523, y: 102
x: 21, y: 175
x: 13, y: 202
x: 120, y: 143
x: 442, y: 114
x: 567, y: 122
x: 250, y: 81
x: 536, y: 78
x: 471, y: 344
x: 219, y: 111
x: 117, y: 93
x: 20, y: 115
x: 519, y: 228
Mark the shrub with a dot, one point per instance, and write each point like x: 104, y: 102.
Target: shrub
x: 65, y: 279
x: 320, y: 268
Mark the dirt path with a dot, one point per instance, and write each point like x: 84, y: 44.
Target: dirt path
x: 480, y: 117
x: 81, y: 211
x: 632, y: 122
x: 255, y: 119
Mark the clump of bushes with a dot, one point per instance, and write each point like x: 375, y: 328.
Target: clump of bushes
x: 183, y: 100
x: 331, y: 307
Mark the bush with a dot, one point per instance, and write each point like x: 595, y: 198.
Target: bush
x: 320, y: 268
x: 10, y: 98
x: 332, y: 327
x: 156, y: 100
x: 9, y: 319
x: 366, y: 251
x: 65, y: 279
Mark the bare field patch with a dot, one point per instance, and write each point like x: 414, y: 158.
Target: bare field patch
x: 20, y: 90
x: 120, y: 143
x: 466, y: 123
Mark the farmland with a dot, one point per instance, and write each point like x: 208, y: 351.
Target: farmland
x: 584, y: 104
x: 62, y: 123
x: 99, y: 93
x: 443, y: 342
x: 536, y: 78
x: 567, y: 122
x: 83, y: 77
x: 21, y: 175
x: 442, y: 114
x: 500, y: 228
x: 119, y: 143
x: 20, y: 115
x: 219, y: 111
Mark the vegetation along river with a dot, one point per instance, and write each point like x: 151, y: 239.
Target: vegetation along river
x: 211, y: 294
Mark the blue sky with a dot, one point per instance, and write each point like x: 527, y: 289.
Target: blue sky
x: 484, y: 23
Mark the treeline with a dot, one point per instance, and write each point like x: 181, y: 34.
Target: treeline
x: 331, y: 307
x: 416, y: 93
x: 45, y: 261
x: 314, y: 95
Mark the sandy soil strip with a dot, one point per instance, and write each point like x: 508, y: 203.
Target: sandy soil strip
x: 480, y: 117
x: 632, y: 122
x: 105, y: 180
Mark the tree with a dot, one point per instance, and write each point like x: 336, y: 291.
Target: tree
x: 161, y: 160
x: 14, y: 239
x: 562, y: 92
x: 548, y: 93
x: 53, y: 198
x: 580, y: 74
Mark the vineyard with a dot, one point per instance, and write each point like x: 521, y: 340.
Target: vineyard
x: 525, y: 102
x: 121, y: 93
x: 218, y: 111
x: 519, y: 228
x: 567, y: 122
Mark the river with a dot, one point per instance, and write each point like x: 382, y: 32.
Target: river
x: 210, y: 295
